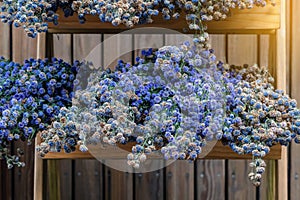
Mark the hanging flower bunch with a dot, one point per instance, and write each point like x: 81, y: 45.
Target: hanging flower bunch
x: 31, y: 96
x: 34, y: 16
x: 258, y: 116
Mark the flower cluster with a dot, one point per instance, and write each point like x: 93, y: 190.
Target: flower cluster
x: 258, y: 116
x: 34, y: 16
x: 31, y: 95
x: 171, y: 100
x: 174, y: 100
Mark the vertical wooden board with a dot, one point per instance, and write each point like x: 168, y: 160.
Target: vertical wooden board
x: 88, y: 47
x: 242, y: 49
x: 264, y: 50
x: 210, y: 178
x: 5, y: 40
x: 117, y: 47
x: 150, y: 185
x: 53, y: 180
x: 281, y: 82
x: 239, y: 187
x: 219, y: 46
x: 6, y: 175
x: 23, y: 177
x: 180, y: 180
x: 6, y: 182
x: 23, y: 47
x: 88, y: 180
x: 62, y: 46
x: 118, y: 184
x: 178, y: 39
x: 295, y: 93
x: 268, y: 184
x: 62, y: 49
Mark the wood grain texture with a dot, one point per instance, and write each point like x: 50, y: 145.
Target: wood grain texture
x: 23, y: 177
x: 149, y: 186
x: 256, y: 18
x: 180, y: 180
x: 239, y: 187
x: 117, y: 47
x: 88, y: 180
x: 281, y: 82
x: 219, y: 151
x: 264, y: 51
x: 23, y: 47
x: 5, y: 40
x: 295, y: 93
x: 118, y: 184
x: 210, y: 178
x: 62, y: 46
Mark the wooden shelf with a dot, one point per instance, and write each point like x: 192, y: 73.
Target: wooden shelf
x: 240, y: 21
x: 219, y: 151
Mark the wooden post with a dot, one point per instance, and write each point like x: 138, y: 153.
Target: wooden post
x: 38, y: 162
x: 281, y: 75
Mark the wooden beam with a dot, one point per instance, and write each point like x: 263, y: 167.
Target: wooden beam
x: 38, y: 162
x: 219, y: 151
x: 281, y: 75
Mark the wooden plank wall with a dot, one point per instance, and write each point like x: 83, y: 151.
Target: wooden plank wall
x: 205, y: 179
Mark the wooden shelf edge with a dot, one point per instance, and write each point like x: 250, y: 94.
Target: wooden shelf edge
x: 267, y: 18
x: 219, y: 151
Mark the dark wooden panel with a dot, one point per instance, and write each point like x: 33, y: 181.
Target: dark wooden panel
x: 23, y: 177
x: 118, y: 184
x: 149, y: 186
x: 88, y: 180
x: 180, y: 180
x: 6, y: 191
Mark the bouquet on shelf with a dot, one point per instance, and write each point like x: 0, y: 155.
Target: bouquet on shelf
x: 34, y: 16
